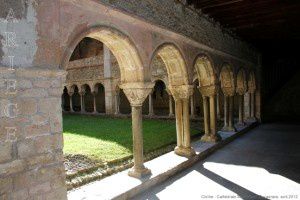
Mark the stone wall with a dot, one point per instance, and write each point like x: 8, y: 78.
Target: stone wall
x: 31, y: 141
x: 174, y: 15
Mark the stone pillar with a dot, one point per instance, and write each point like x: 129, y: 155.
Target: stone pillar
x: 82, y: 104
x: 213, y: 119
x: 31, y: 149
x: 218, y: 106
x: 181, y: 95
x: 229, y: 93
x: 108, y: 82
x: 206, y: 118
x: 241, y: 110
x: 136, y: 94
x: 209, y: 94
x: 231, y: 114
x: 252, y: 100
x: 192, y: 107
x: 225, y: 127
x: 171, y: 112
x: 95, y: 102
x: 71, y: 101
x: 151, y: 111
x: 117, y: 102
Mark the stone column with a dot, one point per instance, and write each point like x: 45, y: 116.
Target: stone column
x: 108, y: 82
x: 95, y: 102
x: 252, y: 100
x: 71, y: 101
x: 136, y: 94
x: 181, y: 95
x: 241, y: 110
x: 230, y: 114
x: 117, y: 102
x: 209, y: 94
x: 82, y: 104
x: 171, y: 112
x: 218, y: 106
x: 192, y: 107
x: 206, y: 119
x: 213, y: 119
x: 151, y: 111
x: 225, y: 127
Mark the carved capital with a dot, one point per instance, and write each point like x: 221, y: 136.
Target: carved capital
x: 228, y: 91
x: 208, y: 91
x: 241, y: 91
x: 70, y: 93
x: 251, y: 90
x: 182, y: 91
x: 136, y: 93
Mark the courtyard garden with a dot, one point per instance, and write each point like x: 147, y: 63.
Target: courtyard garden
x: 93, y: 144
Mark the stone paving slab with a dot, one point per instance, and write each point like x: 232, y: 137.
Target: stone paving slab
x: 121, y: 186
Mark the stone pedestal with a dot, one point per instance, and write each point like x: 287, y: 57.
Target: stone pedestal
x: 181, y: 95
x: 136, y: 94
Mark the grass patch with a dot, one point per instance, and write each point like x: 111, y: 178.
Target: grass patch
x: 107, y: 139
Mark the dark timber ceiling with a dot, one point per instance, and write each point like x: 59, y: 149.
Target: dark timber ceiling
x: 255, y: 19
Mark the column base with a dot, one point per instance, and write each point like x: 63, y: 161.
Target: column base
x: 211, y: 138
x: 252, y: 119
x: 241, y: 124
x: 139, y: 172
x: 171, y: 115
x: 228, y: 129
x: 185, y: 152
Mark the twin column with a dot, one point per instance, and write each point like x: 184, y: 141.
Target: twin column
x: 210, y: 113
x: 182, y: 95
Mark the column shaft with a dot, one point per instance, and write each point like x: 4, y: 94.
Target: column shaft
x: 225, y: 113
x: 179, y: 125
x: 82, y: 103
x: 252, y: 111
x: 138, y: 169
x: 213, y: 114
x: 171, y: 112
x: 206, y: 116
x: 151, y: 111
x: 230, y: 114
x: 192, y: 107
x: 218, y: 106
x: 186, y: 124
x: 241, y: 109
x: 117, y: 104
x: 95, y: 102
x: 71, y: 103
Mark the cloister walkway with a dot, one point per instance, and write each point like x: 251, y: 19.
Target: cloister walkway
x: 263, y: 164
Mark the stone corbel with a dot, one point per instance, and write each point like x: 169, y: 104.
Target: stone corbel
x: 182, y: 91
x: 208, y: 91
x: 137, y: 92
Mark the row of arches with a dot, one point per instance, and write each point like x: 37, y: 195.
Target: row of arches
x: 136, y: 85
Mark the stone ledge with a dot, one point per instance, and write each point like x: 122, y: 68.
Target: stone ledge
x: 127, y: 187
x: 33, y: 72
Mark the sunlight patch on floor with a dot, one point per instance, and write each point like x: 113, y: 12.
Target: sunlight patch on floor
x: 256, y: 180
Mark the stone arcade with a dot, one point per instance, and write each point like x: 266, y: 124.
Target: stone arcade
x: 144, y: 42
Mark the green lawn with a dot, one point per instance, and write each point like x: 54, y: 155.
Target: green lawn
x: 108, y: 139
